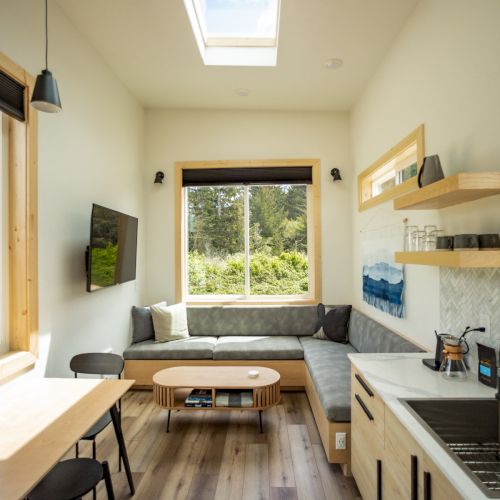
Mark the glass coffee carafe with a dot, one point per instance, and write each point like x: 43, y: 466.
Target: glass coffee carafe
x: 453, y: 364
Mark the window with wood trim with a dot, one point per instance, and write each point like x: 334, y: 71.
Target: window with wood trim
x: 248, y: 232
x: 394, y: 173
x: 19, y: 245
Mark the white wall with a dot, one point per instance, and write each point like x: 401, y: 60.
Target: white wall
x: 91, y: 152
x: 216, y: 135
x: 443, y: 71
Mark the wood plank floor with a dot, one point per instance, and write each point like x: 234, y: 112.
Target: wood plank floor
x: 222, y: 455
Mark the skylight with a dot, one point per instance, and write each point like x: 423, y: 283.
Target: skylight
x: 235, y: 32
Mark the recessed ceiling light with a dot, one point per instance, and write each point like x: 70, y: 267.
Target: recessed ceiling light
x: 242, y: 92
x: 333, y: 63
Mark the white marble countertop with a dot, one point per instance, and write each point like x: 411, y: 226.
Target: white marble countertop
x: 402, y: 375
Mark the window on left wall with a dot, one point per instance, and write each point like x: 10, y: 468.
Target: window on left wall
x: 18, y: 221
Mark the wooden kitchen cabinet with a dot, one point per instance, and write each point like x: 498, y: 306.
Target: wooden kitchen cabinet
x: 367, y: 444
x: 435, y: 486
x: 386, y: 462
x: 403, y: 461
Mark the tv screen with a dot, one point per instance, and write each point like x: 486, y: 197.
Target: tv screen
x: 112, y: 250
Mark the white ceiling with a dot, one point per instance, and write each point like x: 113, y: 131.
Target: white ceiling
x: 150, y: 46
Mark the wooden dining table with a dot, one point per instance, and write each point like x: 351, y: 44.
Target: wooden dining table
x: 42, y: 418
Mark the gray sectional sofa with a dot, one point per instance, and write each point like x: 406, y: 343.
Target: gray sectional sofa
x: 279, y: 337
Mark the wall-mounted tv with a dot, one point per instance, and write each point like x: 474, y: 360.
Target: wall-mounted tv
x: 112, y: 252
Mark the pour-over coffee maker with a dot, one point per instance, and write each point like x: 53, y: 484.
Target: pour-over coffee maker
x: 449, y: 354
x: 454, y: 349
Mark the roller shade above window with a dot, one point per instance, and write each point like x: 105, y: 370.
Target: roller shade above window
x: 11, y: 97
x: 253, y: 175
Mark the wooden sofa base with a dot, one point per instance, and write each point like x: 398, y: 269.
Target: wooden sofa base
x: 294, y: 375
x: 142, y: 371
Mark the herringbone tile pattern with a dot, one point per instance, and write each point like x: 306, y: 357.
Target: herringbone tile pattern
x: 466, y: 294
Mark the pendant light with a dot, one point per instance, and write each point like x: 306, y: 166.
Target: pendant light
x: 45, y: 94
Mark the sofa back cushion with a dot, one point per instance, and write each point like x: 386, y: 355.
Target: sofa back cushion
x: 220, y: 321
x: 366, y: 335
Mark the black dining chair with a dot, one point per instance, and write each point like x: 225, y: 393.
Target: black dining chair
x: 71, y: 479
x: 98, y: 363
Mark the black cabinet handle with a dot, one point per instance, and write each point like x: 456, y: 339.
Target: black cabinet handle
x: 379, y: 479
x: 414, y: 477
x: 427, y: 486
x: 363, y: 406
x: 364, y: 385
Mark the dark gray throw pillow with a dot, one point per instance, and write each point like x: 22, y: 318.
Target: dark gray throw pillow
x: 336, y: 324
x: 142, y: 324
x: 333, y: 323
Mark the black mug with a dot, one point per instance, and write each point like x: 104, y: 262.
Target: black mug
x: 444, y: 243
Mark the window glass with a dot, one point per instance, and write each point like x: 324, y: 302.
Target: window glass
x: 278, y: 240
x: 238, y: 19
x: 247, y: 240
x: 216, y: 240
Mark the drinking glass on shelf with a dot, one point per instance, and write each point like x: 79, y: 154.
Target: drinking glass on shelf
x: 429, y: 229
x: 408, y: 241
x: 418, y: 241
x: 429, y: 242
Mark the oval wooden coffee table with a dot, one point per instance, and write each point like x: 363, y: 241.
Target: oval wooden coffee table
x: 172, y: 385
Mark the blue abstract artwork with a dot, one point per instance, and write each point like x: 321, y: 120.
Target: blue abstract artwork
x: 383, y: 278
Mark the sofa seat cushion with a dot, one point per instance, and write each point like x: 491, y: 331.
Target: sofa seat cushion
x: 330, y: 370
x: 245, y: 347
x: 190, y: 348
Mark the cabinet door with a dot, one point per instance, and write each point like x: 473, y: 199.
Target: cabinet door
x: 366, y: 443
x: 403, y: 461
x: 435, y: 484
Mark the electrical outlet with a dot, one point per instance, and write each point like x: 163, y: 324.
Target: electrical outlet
x: 340, y: 438
x: 484, y: 320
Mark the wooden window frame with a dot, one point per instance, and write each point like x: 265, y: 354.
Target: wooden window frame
x: 417, y: 137
x: 22, y: 231
x: 314, y: 245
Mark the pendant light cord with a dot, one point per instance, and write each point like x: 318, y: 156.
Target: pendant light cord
x: 46, y: 35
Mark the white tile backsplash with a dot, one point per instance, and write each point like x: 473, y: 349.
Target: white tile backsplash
x: 468, y: 296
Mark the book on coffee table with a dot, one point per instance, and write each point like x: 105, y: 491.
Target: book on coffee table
x: 234, y: 398
x: 199, y: 398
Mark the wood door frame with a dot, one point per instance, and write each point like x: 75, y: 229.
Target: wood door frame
x: 22, y: 231
x: 314, y: 245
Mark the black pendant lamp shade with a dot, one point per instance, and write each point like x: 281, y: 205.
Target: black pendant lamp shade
x: 46, y: 94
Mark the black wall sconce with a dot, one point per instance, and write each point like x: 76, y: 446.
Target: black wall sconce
x: 159, y: 176
x: 335, y: 173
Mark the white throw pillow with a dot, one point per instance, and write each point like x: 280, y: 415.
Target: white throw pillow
x: 170, y: 322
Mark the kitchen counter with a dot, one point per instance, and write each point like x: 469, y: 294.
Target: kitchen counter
x: 402, y: 375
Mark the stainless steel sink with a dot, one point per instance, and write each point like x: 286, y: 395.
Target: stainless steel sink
x: 468, y: 429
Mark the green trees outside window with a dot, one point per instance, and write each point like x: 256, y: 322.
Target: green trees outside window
x: 247, y: 240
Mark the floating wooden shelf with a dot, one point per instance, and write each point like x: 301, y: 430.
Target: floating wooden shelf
x: 467, y: 258
x: 453, y: 190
